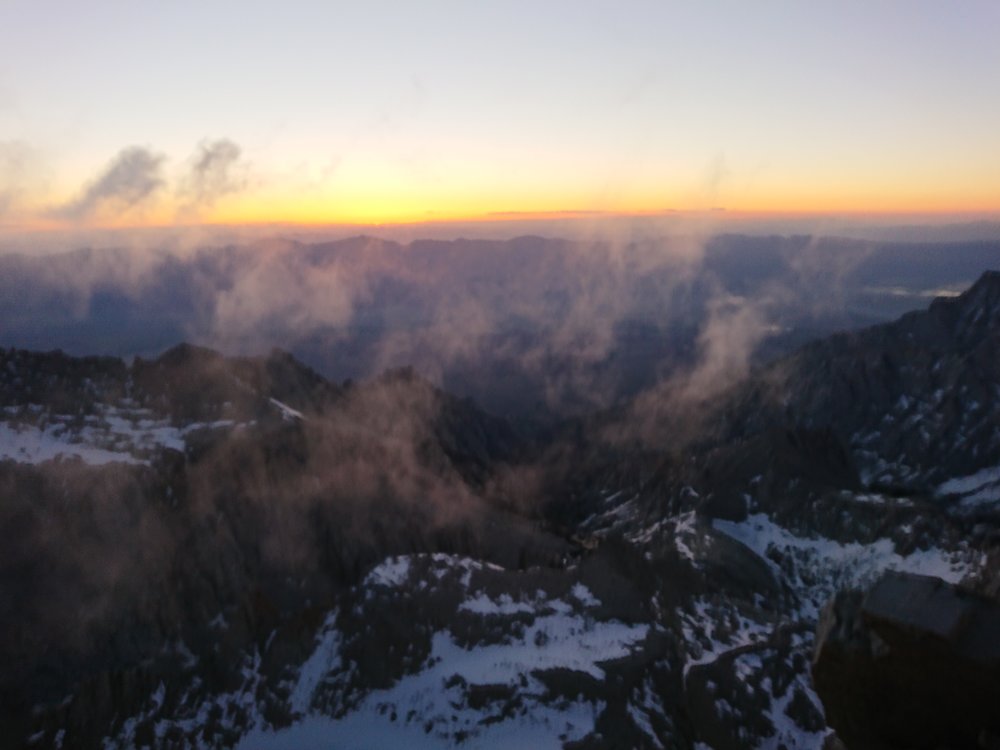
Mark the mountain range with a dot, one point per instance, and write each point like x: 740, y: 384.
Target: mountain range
x: 202, y: 550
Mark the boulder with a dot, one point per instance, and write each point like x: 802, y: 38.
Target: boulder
x: 914, y: 663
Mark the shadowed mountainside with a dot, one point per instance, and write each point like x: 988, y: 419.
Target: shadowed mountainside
x: 201, y: 550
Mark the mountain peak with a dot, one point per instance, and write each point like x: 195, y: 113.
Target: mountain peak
x: 987, y: 287
x: 186, y: 354
x: 977, y: 307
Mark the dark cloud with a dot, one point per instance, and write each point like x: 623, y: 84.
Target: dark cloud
x: 132, y: 178
x: 216, y: 170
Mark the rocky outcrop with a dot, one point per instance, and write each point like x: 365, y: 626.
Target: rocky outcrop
x: 916, y: 400
x: 913, y: 663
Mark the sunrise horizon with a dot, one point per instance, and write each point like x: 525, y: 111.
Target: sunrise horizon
x: 333, y: 114
x: 668, y: 217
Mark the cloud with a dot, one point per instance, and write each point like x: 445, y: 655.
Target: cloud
x: 550, y: 312
x: 136, y: 176
x: 216, y: 170
x: 273, y: 295
x: 532, y: 327
x: 19, y: 172
x: 729, y: 337
x: 131, y: 180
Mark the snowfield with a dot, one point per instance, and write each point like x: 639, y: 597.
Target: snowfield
x: 429, y: 708
x: 112, y: 434
x: 433, y: 705
x: 425, y: 709
x: 30, y: 445
x: 816, y: 568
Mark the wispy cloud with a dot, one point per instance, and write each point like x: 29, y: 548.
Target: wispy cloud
x: 217, y: 169
x: 130, y: 181
x: 18, y: 170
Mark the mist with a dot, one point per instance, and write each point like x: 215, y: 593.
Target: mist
x: 531, y: 327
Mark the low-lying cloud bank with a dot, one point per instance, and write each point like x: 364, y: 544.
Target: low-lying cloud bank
x: 530, y: 327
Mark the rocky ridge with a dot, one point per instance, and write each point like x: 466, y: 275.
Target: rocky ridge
x: 303, y: 557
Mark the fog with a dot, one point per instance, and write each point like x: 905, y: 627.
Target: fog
x: 530, y: 327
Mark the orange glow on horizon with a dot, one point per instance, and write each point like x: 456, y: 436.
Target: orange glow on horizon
x: 402, y: 207
x: 409, y: 209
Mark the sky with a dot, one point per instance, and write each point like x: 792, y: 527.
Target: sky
x: 142, y: 113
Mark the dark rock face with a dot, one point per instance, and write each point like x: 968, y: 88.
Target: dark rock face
x: 916, y: 400
x: 897, y: 409
x: 914, y: 663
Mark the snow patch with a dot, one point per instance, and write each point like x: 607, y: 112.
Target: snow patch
x: 111, y: 434
x: 30, y: 445
x: 583, y: 595
x: 287, y: 413
x: 392, y: 572
x: 817, y: 567
x: 980, y: 488
x: 323, y: 660
x: 428, y: 709
x: 505, y: 605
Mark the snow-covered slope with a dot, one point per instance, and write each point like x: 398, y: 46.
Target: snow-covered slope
x: 109, y: 433
x: 534, y: 665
